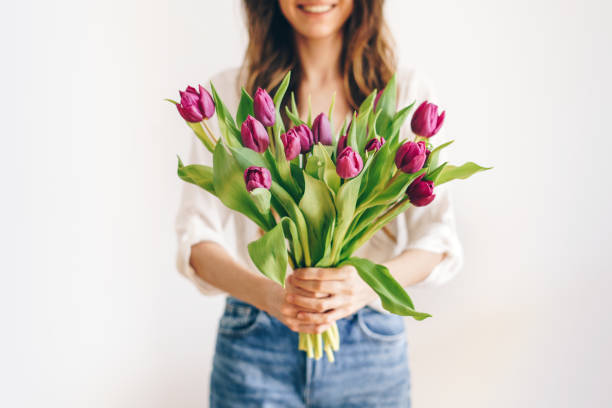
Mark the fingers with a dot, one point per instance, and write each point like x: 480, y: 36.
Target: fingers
x: 308, y: 303
x: 326, y: 318
x: 289, y: 318
x: 331, y: 287
x: 291, y: 288
x: 304, y: 327
x: 341, y: 273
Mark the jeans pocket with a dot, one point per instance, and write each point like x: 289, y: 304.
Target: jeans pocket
x: 381, y: 326
x: 239, y: 318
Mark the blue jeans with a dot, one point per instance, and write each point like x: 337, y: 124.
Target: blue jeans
x: 257, y: 363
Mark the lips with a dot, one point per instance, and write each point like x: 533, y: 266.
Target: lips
x: 316, y: 8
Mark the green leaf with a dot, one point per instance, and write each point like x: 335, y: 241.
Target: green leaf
x: 394, y: 191
x: 432, y: 159
x: 292, y: 235
x: 269, y: 254
x: 295, y: 119
x: 294, y: 212
x: 319, y: 211
x: 392, y: 295
x: 379, y: 173
x: 245, y: 108
x: 327, y: 172
x: 393, y: 129
x: 171, y: 101
x: 464, y: 171
x: 228, y: 180
x: 361, y: 124
x: 351, y: 140
x: 229, y: 130
x: 387, y: 105
x: 197, y: 174
x: 261, y: 198
x: 346, y: 200
x: 282, y: 89
x: 434, y: 175
x: 331, y: 111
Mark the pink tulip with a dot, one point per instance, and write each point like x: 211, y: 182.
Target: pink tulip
x: 411, y: 156
x: 349, y: 163
x: 341, y: 145
x: 257, y: 177
x: 375, y: 144
x: 420, y: 192
x: 195, y: 106
x: 254, y: 135
x: 291, y: 142
x: 306, y: 137
x: 321, y: 130
x: 425, y: 121
x: 264, y: 109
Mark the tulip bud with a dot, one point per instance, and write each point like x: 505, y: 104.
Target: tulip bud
x: 411, y: 156
x: 375, y: 144
x: 264, y: 109
x: 291, y: 141
x: 254, y: 135
x: 321, y: 130
x: 257, y: 177
x: 420, y: 192
x: 349, y: 163
x: 189, y: 107
x: 206, y: 103
x: 306, y: 137
x: 341, y: 145
x: 425, y: 121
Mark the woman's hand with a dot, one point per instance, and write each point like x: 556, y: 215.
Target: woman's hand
x: 277, y: 305
x: 320, y: 296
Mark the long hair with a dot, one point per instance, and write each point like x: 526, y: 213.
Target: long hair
x: 367, y: 59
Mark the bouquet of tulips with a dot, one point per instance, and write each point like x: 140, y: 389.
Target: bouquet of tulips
x: 316, y: 195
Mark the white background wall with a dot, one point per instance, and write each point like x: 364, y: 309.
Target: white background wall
x: 92, y: 310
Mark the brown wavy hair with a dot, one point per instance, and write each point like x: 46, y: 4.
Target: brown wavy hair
x: 367, y: 59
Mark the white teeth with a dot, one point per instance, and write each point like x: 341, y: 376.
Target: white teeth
x: 317, y: 8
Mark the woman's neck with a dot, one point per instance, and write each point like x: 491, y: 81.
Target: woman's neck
x: 319, y: 58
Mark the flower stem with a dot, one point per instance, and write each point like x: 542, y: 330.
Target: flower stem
x: 210, y: 132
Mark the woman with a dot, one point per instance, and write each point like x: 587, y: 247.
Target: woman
x: 331, y: 46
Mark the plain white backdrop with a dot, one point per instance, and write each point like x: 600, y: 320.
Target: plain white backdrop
x: 93, y: 312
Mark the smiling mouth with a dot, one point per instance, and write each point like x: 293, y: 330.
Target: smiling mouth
x: 316, y: 8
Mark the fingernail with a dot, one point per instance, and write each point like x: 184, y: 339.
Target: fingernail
x: 300, y: 315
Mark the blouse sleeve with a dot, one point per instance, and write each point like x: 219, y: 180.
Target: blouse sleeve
x: 200, y: 218
x: 431, y: 227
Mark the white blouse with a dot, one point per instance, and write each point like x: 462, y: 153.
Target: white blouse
x: 202, y: 217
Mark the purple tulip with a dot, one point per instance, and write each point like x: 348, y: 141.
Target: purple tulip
x: 206, y: 103
x: 257, y: 177
x: 321, y: 130
x: 264, y: 109
x: 195, y: 106
x: 254, y: 135
x: 291, y: 141
x: 306, y: 137
x: 341, y: 145
x: 349, y: 163
x: 411, y: 156
x: 420, y: 192
x: 375, y: 144
x: 425, y: 121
